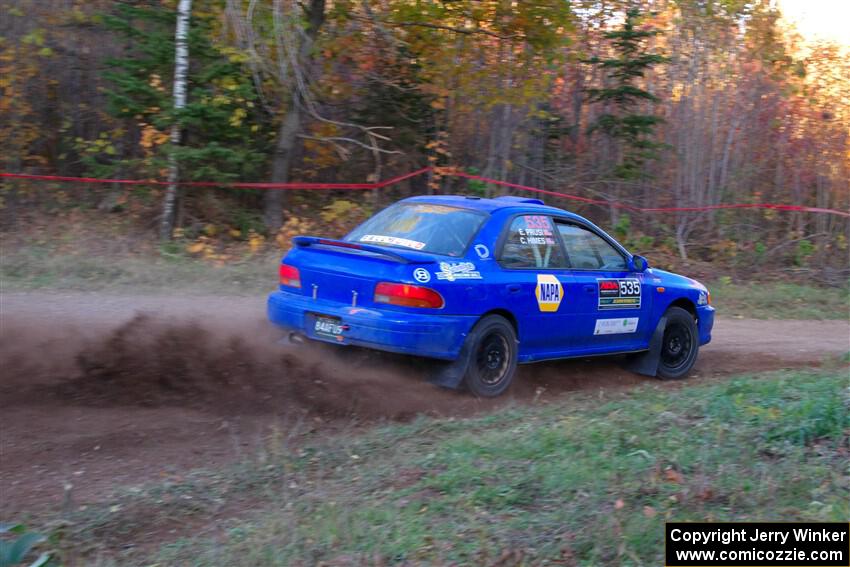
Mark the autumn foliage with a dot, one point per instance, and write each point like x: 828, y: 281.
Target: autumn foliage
x: 737, y: 109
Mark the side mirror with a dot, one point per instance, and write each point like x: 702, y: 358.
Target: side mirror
x: 638, y: 263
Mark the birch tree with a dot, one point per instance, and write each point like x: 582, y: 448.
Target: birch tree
x: 181, y: 68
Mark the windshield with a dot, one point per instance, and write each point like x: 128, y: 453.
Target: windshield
x: 420, y: 226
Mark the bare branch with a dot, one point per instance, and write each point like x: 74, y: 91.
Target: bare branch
x: 349, y: 141
x: 286, y: 59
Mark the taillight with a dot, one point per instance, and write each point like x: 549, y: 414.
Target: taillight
x: 408, y: 295
x: 289, y: 275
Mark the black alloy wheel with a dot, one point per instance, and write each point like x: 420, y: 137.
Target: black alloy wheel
x: 680, y: 344
x: 491, y: 352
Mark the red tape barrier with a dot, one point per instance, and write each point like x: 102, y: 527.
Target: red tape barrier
x: 441, y: 171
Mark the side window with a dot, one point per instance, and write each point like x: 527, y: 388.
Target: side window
x: 531, y: 243
x: 588, y: 251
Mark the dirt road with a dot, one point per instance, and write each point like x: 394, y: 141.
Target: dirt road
x: 99, y: 391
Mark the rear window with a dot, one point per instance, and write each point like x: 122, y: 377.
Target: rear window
x: 420, y: 226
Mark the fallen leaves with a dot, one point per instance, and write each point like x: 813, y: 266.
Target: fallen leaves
x: 672, y: 475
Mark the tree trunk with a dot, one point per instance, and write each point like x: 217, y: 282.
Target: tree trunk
x: 287, y: 137
x: 181, y: 67
x: 290, y: 127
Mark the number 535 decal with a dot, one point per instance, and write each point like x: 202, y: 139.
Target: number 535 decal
x: 619, y: 294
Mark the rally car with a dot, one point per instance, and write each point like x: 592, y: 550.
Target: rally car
x: 488, y: 284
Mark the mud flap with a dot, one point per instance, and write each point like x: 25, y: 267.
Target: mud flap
x: 450, y: 374
x: 646, y: 363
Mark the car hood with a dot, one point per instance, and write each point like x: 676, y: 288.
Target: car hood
x: 671, y: 279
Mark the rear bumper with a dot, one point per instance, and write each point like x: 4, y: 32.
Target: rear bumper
x: 705, y: 322
x: 431, y: 335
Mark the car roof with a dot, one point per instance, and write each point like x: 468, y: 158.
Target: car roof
x: 520, y: 204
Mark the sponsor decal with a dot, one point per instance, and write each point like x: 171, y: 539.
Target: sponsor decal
x: 452, y: 271
x: 619, y: 294
x: 615, y: 326
x: 392, y: 241
x: 482, y: 251
x: 421, y: 275
x: 549, y: 293
x: 703, y: 298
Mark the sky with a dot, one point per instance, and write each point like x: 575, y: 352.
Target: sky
x: 819, y: 19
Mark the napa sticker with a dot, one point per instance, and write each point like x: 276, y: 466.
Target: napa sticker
x: 549, y: 293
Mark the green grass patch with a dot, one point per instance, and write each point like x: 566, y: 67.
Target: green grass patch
x: 776, y: 300
x: 171, y: 270
x: 589, y: 480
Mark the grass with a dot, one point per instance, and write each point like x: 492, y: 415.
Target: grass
x: 586, y: 481
x: 777, y: 300
x: 40, y: 267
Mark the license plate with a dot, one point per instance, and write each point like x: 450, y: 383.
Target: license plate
x: 328, y: 327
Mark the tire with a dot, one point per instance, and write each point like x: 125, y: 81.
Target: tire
x: 490, y: 353
x: 680, y: 345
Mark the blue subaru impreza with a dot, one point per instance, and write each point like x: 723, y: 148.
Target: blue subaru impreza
x: 488, y: 284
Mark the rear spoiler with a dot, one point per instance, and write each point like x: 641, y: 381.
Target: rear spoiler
x: 343, y: 246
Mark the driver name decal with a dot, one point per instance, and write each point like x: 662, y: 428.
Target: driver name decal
x: 537, y: 231
x: 619, y: 294
x: 549, y: 293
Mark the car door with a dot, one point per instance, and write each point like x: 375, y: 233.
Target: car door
x: 612, y: 301
x: 531, y: 257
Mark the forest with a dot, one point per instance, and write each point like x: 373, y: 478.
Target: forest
x: 656, y: 104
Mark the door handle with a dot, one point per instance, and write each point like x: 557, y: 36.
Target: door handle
x: 590, y: 289
x: 514, y: 288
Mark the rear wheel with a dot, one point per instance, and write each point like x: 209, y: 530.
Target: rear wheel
x: 680, y: 345
x: 491, y: 357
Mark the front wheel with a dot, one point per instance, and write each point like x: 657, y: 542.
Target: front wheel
x: 491, y: 357
x: 680, y: 345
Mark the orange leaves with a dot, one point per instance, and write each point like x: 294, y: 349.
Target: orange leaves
x: 672, y: 475
x: 293, y: 226
x: 198, y: 247
x: 151, y: 137
x: 20, y: 86
x: 155, y: 81
x: 320, y: 154
x: 255, y: 241
x: 220, y: 244
x: 671, y: 479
